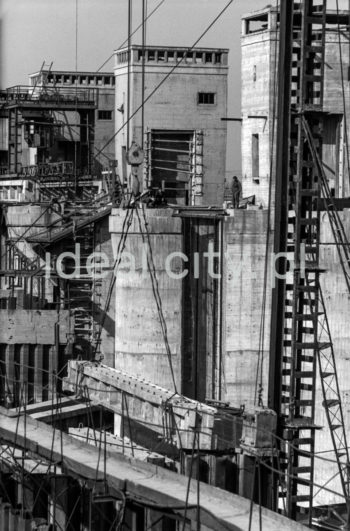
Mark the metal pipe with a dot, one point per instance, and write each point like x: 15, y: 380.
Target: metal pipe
x: 129, y: 75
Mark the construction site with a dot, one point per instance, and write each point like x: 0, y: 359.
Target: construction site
x: 174, y: 347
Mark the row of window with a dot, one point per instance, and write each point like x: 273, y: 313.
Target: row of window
x: 169, y: 56
x: 72, y: 79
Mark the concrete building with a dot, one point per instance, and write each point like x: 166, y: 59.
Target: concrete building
x: 103, y: 83
x: 259, y: 45
x: 184, y: 136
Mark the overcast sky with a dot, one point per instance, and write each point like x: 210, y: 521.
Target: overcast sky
x: 33, y: 31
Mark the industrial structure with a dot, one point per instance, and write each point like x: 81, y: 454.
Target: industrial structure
x: 169, y: 362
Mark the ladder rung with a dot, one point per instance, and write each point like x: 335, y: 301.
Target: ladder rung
x: 304, y: 402
x: 308, y: 289
x: 307, y: 345
x: 309, y: 193
x: 302, y: 469
x: 301, y: 498
x: 302, y: 481
x: 303, y: 441
x: 309, y: 221
x: 308, y: 316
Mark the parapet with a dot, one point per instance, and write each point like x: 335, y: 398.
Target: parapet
x: 171, y: 55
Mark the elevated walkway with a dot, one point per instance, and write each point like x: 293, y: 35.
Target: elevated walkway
x: 142, y: 482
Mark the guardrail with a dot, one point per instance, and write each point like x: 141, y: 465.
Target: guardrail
x: 23, y: 93
x: 50, y: 168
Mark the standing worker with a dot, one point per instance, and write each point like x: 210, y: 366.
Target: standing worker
x: 236, y: 192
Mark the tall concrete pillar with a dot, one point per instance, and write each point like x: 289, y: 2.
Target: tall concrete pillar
x: 139, y: 343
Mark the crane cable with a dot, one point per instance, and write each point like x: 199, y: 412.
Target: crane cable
x: 121, y: 246
x: 155, y: 288
x: 163, y: 80
x: 258, y: 395
x: 132, y: 34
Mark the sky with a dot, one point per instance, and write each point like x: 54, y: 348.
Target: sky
x: 34, y: 31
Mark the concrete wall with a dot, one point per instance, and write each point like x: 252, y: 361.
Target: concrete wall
x: 174, y: 106
x: 245, y: 249
x: 139, y: 342
x: 245, y: 238
x: 258, y: 55
x: 34, y: 326
x: 29, y: 355
x: 334, y: 99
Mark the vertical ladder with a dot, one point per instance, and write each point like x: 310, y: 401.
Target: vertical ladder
x: 301, y: 297
x: 80, y: 292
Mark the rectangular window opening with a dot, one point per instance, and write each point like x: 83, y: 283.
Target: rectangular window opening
x: 255, y: 157
x: 206, y: 98
x: 104, y: 115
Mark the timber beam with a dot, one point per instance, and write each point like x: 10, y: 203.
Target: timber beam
x: 183, y: 422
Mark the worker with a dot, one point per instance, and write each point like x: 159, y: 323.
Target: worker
x: 236, y: 192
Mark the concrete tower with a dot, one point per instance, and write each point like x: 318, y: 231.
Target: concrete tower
x: 184, y: 136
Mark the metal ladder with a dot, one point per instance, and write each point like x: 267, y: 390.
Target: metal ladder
x: 301, y: 311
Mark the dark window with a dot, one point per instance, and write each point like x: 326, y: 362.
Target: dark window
x: 104, y: 115
x: 170, y: 163
x: 206, y: 98
x: 255, y: 156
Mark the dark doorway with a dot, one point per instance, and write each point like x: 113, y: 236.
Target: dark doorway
x: 201, y: 314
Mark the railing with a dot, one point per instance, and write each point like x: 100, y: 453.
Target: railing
x: 48, y: 169
x: 23, y: 93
